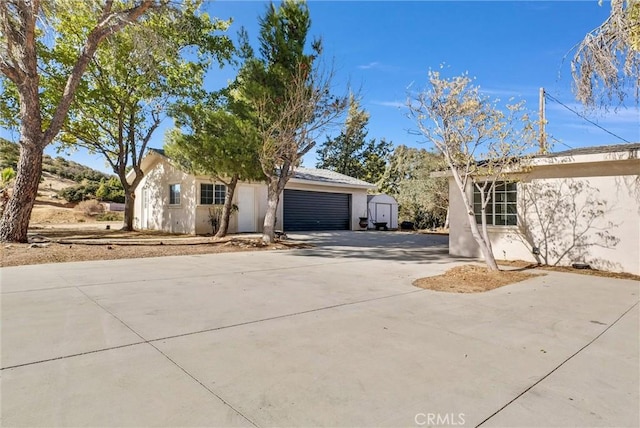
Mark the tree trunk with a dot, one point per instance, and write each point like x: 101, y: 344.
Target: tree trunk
x: 226, y: 209
x: 129, y: 195
x: 17, y: 212
x: 273, y: 197
x: 483, y: 242
x: 129, y: 205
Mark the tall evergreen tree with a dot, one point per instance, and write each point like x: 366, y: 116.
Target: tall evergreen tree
x: 343, y: 153
x: 350, y: 153
x: 288, y: 96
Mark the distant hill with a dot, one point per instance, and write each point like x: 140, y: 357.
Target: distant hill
x: 63, y: 168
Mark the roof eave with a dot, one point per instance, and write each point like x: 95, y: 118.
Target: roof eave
x: 332, y: 183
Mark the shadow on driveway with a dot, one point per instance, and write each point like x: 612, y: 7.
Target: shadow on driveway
x: 378, y: 245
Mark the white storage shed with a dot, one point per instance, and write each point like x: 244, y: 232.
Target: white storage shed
x: 382, y: 209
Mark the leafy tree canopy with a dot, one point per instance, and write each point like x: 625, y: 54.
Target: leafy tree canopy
x: 422, y: 198
x: 132, y: 80
x: 211, y: 140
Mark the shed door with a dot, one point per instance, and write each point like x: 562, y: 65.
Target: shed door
x: 304, y: 210
x: 383, y: 214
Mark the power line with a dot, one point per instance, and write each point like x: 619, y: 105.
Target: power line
x: 546, y: 94
x: 560, y: 142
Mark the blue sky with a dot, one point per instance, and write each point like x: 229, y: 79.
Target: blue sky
x: 511, y: 48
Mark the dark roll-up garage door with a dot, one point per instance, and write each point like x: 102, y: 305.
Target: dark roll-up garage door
x: 305, y: 210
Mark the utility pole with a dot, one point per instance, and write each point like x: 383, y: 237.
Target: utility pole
x: 543, y: 136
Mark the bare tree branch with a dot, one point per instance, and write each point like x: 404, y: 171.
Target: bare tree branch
x: 480, y: 143
x: 606, y: 63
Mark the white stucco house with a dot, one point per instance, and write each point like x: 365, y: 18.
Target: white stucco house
x: 172, y: 200
x: 575, y: 206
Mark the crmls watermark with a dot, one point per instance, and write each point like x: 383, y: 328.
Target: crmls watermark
x: 439, y: 419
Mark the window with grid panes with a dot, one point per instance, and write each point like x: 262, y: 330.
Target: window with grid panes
x: 206, y: 194
x: 220, y: 192
x: 502, y: 208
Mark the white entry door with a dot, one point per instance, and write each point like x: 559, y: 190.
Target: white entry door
x: 383, y: 214
x: 246, y: 209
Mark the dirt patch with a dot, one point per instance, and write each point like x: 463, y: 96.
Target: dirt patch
x: 50, y: 213
x: 49, y: 208
x: 51, y: 183
x: 471, y: 279
x: 476, y: 279
x: 593, y: 272
x: 55, y: 252
x: 62, y: 232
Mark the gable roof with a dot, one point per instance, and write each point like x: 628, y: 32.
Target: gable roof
x: 158, y: 151
x: 327, y: 176
x: 323, y: 176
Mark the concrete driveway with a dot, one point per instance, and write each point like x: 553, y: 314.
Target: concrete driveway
x: 330, y: 336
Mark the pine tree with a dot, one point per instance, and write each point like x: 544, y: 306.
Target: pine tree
x: 350, y: 153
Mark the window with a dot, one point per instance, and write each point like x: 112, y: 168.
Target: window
x: 174, y: 194
x: 212, y: 194
x: 502, y: 208
x: 220, y: 193
x: 206, y: 194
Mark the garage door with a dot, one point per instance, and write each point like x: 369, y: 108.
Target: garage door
x: 305, y: 210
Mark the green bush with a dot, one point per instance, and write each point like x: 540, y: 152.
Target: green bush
x: 79, y: 192
x: 110, y: 190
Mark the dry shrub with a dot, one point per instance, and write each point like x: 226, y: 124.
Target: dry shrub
x: 90, y: 207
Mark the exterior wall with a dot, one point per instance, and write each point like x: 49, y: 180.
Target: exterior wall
x: 190, y: 217
x: 571, y: 213
x: 358, y: 199
x: 358, y: 207
x: 202, y: 219
x: 261, y: 207
x: 154, y: 189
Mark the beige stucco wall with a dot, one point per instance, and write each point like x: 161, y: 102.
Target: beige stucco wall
x: 192, y: 218
x: 159, y: 214
x: 202, y: 221
x: 572, y: 212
